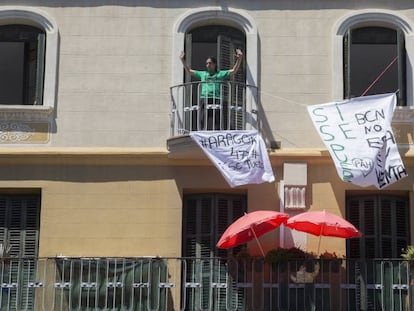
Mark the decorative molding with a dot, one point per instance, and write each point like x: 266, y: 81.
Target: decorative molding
x: 372, y: 17
x: 25, y: 113
x: 295, y: 197
x: 16, y: 132
x: 403, y: 115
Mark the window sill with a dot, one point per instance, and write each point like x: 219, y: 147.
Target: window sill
x: 25, y: 113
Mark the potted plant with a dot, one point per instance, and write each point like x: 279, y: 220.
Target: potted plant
x: 278, y: 258
x: 300, y: 257
x: 330, y: 261
x: 408, y: 253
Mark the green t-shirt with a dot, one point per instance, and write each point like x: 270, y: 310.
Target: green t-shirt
x: 211, y: 90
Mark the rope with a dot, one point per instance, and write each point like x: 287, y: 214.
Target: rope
x: 380, y: 75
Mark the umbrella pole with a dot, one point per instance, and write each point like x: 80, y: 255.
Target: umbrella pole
x: 319, y: 243
x: 320, y: 238
x: 258, y: 242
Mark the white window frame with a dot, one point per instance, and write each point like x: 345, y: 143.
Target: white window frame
x: 36, y: 18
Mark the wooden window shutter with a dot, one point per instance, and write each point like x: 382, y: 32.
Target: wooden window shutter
x: 224, y: 52
x: 205, y: 218
x: 384, y: 222
x: 401, y: 95
x: 40, y: 68
x: 353, y: 216
x: 346, y: 66
x: 188, y: 55
x: 235, y: 115
x: 20, y: 222
x: 401, y: 227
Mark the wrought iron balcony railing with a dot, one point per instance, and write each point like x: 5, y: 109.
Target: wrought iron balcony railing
x: 154, y: 283
x: 211, y: 106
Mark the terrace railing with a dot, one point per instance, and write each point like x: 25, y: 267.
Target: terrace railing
x: 198, y: 106
x: 154, y: 283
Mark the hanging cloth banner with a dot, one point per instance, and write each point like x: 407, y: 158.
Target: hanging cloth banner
x: 240, y: 156
x: 359, y: 137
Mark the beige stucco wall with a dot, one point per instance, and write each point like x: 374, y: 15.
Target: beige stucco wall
x: 114, y: 73
x: 131, y: 204
x: 116, y: 62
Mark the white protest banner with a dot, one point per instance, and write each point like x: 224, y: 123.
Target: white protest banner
x: 240, y: 156
x: 359, y: 137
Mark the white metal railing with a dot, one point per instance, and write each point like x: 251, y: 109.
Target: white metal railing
x: 225, y: 106
x: 153, y: 283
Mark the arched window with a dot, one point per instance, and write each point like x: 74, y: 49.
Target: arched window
x: 236, y: 19
x: 372, y: 54
x: 219, y: 42
x: 29, y: 53
x: 374, y: 62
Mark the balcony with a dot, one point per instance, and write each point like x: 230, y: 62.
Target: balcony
x: 154, y: 283
x: 228, y: 106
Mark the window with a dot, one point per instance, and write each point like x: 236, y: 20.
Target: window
x: 219, y: 42
x: 29, y: 40
x: 22, y: 50
x: 374, y: 62
x: 384, y: 223
x: 205, y: 218
x: 19, y: 226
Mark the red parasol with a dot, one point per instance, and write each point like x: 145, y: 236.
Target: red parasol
x: 322, y: 223
x: 251, y: 226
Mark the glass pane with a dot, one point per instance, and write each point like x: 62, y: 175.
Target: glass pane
x: 372, y: 50
x: 22, y: 63
x: 11, y: 79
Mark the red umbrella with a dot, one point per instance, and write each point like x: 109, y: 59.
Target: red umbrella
x: 250, y: 226
x: 323, y: 223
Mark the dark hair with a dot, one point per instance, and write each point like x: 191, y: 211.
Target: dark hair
x: 214, y: 60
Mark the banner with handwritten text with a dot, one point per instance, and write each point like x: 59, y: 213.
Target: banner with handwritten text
x: 359, y: 137
x: 240, y: 156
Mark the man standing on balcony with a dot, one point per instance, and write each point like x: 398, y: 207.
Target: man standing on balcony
x: 211, y: 101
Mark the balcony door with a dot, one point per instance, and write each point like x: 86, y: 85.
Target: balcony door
x: 205, y: 218
x: 221, y: 43
x: 19, y: 227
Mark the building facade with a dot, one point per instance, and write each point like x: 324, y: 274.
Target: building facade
x: 95, y: 112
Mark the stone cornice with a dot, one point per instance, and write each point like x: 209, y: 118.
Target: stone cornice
x: 403, y: 115
x: 25, y: 113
